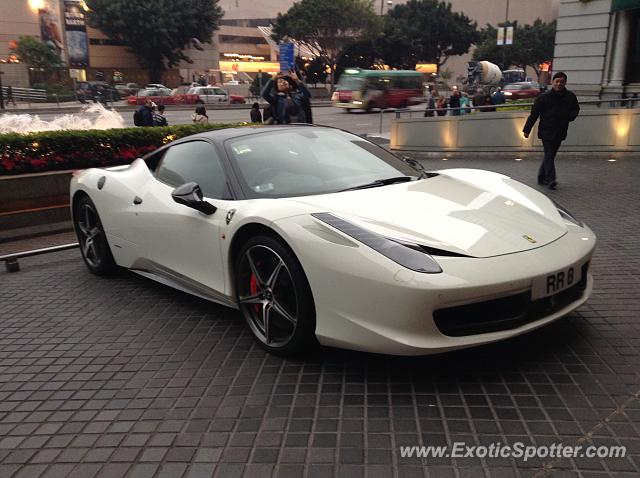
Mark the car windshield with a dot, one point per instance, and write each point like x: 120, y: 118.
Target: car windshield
x: 350, y: 83
x: 306, y: 160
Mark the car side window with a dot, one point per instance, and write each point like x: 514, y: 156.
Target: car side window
x: 219, y: 91
x: 196, y: 161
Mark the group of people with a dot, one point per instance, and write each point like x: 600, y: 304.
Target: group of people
x: 556, y: 108
x: 459, y: 103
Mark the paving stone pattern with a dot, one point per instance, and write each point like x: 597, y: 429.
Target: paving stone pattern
x: 123, y: 377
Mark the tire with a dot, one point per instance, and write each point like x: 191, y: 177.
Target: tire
x: 92, y: 239
x: 274, y: 296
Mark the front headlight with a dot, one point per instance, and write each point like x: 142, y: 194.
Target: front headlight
x: 566, y: 215
x: 406, y: 256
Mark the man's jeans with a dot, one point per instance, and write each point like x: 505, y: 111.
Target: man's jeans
x: 547, y: 171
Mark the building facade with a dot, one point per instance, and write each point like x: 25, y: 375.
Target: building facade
x: 88, y: 53
x: 598, y: 46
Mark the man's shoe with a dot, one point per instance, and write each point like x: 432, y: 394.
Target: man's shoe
x: 553, y: 185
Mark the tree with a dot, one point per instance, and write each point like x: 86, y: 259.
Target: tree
x: 532, y: 45
x: 363, y: 54
x: 157, y: 32
x: 425, y: 30
x: 258, y: 83
x: 537, y: 42
x: 36, y: 55
x: 326, y: 27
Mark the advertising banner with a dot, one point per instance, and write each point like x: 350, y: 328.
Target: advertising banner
x: 508, y: 38
x: 500, y: 39
x: 77, y: 40
x: 50, y: 28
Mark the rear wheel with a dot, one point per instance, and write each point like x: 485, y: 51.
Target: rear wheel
x: 91, y: 238
x: 274, y: 296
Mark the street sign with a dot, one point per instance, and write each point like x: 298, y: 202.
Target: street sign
x: 287, y: 61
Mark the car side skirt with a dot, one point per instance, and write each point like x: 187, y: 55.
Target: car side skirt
x: 177, y: 281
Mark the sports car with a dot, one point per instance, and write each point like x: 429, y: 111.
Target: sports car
x: 317, y: 235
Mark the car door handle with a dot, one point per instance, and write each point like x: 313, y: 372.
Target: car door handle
x: 137, y: 200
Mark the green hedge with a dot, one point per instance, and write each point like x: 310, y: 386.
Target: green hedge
x: 76, y: 149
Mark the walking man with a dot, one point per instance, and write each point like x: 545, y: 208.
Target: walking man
x: 556, y: 109
x: 10, y: 96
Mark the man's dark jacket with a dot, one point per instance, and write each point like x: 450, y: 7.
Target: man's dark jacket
x: 556, y: 110
x: 147, y: 115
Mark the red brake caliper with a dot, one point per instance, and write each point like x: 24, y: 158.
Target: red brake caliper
x: 253, y: 289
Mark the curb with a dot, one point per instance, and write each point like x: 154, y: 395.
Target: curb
x: 120, y: 108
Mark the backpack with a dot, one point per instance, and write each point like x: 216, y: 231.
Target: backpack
x: 138, y: 119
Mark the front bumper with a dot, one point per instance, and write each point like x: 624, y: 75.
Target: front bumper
x: 366, y: 302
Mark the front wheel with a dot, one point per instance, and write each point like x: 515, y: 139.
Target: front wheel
x: 92, y: 238
x: 274, y: 296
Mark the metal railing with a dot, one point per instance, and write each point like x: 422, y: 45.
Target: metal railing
x: 505, y: 107
x: 11, y: 260
x: 30, y: 95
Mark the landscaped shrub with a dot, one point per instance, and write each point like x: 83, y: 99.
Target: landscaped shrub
x: 75, y: 149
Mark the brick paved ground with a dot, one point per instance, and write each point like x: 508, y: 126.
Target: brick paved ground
x: 125, y: 377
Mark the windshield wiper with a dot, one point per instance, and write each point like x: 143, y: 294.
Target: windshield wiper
x: 381, y: 182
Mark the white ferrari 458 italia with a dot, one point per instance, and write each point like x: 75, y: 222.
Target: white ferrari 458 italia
x: 318, y: 235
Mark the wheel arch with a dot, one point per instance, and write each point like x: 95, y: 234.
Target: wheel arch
x: 76, y: 199
x: 245, y: 232
x: 241, y: 236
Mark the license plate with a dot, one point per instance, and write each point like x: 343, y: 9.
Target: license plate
x: 555, y: 282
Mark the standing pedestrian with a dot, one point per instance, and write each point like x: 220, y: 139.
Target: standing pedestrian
x: 287, y: 96
x: 465, y: 104
x: 431, y: 102
x: 556, y: 108
x: 256, y: 115
x: 498, y: 97
x: 9, y: 95
x: 479, y: 98
x: 200, y: 116
x: 441, y: 106
x: 454, y: 103
x: 158, y: 116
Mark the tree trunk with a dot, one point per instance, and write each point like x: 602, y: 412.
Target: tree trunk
x: 155, y: 70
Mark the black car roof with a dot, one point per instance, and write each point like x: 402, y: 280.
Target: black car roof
x: 230, y: 133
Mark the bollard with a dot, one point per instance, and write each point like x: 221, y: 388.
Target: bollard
x: 12, y: 265
x: 381, y: 113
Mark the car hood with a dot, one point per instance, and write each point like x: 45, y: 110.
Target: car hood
x: 469, y: 212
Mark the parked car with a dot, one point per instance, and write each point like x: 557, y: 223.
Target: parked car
x: 157, y: 85
x: 157, y: 95
x: 521, y: 90
x: 127, y: 89
x: 215, y: 94
x: 96, y: 91
x: 316, y: 234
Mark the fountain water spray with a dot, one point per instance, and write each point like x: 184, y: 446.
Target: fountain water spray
x: 94, y: 116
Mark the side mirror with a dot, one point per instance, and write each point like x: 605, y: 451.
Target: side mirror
x: 190, y: 195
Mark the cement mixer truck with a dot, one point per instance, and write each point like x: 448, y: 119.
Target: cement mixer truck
x: 487, y: 75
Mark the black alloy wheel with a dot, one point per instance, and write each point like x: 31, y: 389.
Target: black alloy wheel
x: 274, y: 296
x: 91, y: 238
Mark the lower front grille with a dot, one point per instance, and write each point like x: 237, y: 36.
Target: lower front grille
x: 504, y: 313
